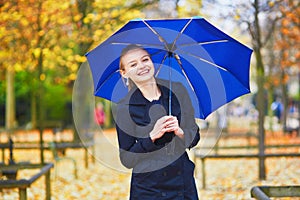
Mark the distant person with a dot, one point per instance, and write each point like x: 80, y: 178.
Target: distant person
x: 99, y: 114
x: 277, y: 109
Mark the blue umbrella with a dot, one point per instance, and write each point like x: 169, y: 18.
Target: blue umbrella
x: 213, y: 66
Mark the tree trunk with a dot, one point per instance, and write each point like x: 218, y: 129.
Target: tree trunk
x: 10, y: 119
x: 108, y: 117
x: 33, y: 106
x: 41, y: 106
x: 261, y: 118
x: 285, y: 100
x: 260, y: 94
x: 270, y: 111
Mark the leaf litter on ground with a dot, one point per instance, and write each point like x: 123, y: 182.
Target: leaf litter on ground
x: 225, y: 178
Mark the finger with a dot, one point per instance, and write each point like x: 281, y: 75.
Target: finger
x: 163, y: 119
x: 170, y: 118
x: 169, y: 129
x: 173, y: 120
x: 171, y: 123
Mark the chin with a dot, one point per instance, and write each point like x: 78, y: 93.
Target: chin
x: 146, y: 80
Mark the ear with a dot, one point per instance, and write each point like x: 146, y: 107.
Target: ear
x: 123, y: 74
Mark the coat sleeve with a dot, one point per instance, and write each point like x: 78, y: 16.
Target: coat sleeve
x: 131, y: 149
x: 188, y: 123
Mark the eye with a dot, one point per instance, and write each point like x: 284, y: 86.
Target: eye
x: 132, y: 65
x: 146, y: 59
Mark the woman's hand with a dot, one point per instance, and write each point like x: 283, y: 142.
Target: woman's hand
x: 166, y: 124
x: 160, y: 128
x: 174, y: 126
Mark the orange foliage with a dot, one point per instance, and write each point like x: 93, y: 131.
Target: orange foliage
x: 287, y: 42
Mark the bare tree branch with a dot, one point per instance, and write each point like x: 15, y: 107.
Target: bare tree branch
x: 271, y: 31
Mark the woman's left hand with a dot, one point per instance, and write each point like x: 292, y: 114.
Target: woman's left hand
x: 174, y: 126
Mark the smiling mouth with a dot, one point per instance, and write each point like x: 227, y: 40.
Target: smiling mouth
x: 146, y: 71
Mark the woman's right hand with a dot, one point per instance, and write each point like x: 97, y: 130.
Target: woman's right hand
x: 161, y: 127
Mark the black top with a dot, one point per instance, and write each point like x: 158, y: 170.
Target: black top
x: 135, y: 119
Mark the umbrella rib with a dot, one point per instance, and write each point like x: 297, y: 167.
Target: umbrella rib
x: 202, y: 59
x: 180, y: 33
x: 161, y: 63
x: 204, y: 43
x: 161, y: 39
x: 183, y: 71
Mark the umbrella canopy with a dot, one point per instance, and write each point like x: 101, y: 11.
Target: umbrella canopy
x: 213, y: 66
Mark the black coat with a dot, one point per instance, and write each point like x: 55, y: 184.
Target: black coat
x: 161, y: 170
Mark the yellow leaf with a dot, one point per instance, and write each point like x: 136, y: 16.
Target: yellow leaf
x: 42, y: 77
x: 271, y: 4
x: 18, y: 67
x: 41, y: 33
x: 77, y: 17
x: 36, y: 52
x: 72, y: 76
x: 79, y: 58
x: 24, y: 22
x: 86, y: 20
x: 237, y: 17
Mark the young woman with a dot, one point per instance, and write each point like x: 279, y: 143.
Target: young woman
x: 152, y: 142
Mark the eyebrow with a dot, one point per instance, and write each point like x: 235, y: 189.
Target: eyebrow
x: 133, y: 61
x: 147, y: 55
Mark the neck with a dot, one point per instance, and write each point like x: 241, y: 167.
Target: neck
x: 150, y: 91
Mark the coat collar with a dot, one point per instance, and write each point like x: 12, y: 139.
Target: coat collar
x: 135, y: 96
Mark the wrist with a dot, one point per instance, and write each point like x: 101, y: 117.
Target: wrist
x: 152, y: 137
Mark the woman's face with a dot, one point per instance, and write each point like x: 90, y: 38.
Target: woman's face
x: 138, y: 66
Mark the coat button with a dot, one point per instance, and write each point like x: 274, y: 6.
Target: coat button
x: 163, y: 194
x: 165, y: 174
x: 179, y: 173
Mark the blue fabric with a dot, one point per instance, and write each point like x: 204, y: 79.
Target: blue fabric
x: 217, y: 65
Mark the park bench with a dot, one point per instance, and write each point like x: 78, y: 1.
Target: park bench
x: 247, y: 135
x: 203, y: 158
x: 250, y: 154
x: 265, y: 192
x: 61, y: 146
x: 51, y: 124
x: 58, y: 158
x: 22, y: 184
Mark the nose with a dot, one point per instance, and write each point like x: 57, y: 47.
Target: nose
x: 141, y: 65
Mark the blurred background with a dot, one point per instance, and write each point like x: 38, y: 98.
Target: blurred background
x: 43, y: 43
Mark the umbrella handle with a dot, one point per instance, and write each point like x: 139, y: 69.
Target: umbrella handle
x: 170, y: 84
